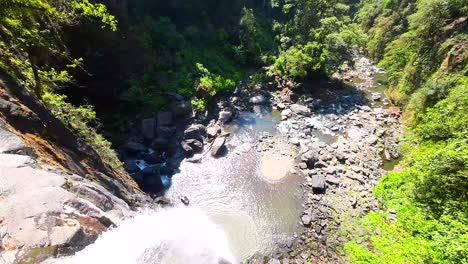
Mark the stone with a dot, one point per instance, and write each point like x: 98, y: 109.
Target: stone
x: 131, y: 166
x: 300, y: 109
x: 186, y: 148
x: 318, y: 183
x: 281, y: 106
x: 160, y: 144
x: 376, y: 96
x: 135, y: 146
x: 274, y: 261
x: 196, y: 145
x: 195, y: 131
x: 306, y: 220
x: 213, y: 131
x: 257, y: 100
x: 310, y: 157
x: 148, y: 128
x: 225, y: 116
x: 185, y: 200
x: 286, y: 112
x: 181, y: 108
x: 164, y: 118
x: 332, y: 180
x: 218, y: 146
x: 165, y: 131
x: 294, y: 141
x: 372, y: 139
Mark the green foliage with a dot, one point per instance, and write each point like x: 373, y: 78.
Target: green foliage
x: 255, y: 39
x: 31, y: 36
x: 213, y: 84
x: 427, y: 75
x: 199, y: 105
x: 316, y: 39
x: 78, y: 120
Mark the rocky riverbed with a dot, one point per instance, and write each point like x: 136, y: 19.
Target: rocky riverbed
x: 338, y: 136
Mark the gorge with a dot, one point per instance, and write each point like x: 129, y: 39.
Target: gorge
x: 297, y: 131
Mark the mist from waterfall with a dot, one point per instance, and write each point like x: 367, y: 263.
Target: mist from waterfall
x: 169, y: 236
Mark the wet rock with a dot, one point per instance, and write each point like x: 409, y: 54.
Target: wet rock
x: 131, y: 166
x: 218, y: 146
x: 300, y: 109
x: 195, y: 131
x: 318, y: 183
x: 281, y: 106
x: 225, y: 116
x: 134, y: 146
x: 148, y: 128
x: 257, y: 100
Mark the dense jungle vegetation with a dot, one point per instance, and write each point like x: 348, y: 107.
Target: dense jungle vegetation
x: 99, y: 64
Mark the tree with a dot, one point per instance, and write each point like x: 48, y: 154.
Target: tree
x: 31, y: 36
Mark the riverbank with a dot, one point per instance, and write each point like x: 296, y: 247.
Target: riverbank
x: 336, y: 136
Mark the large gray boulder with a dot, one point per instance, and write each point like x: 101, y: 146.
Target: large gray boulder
x: 195, y: 131
x: 225, y: 116
x: 218, y: 146
x: 258, y: 99
x: 300, y: 109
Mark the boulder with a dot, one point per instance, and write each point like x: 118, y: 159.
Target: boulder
x: 164, y: 118
x: 131, y: 166
x: 332, y: 180
x: 134, y: 146
x: 195, y: 131
x: 195, y: 144
x: 218, y: 146
x: 300, y: 109
x: 225, y: 116
x: 213, y: 131
x: 376, y: 97
x: 186, y: 148
x: 318, y: 183
x: 310, y: 157
x: 160, y: 144
x: 166, y: 131
x: 257, y: 99
x: 286, y: 113
x: 148, y: 128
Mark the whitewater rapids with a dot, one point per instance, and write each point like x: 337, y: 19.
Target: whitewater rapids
x: 166, y: 236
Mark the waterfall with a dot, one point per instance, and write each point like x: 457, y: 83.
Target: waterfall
x: 166, y: 236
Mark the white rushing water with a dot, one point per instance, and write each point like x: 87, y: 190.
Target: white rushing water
x: 169, y: 236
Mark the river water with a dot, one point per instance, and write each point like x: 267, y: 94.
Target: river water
x: 255, y: 213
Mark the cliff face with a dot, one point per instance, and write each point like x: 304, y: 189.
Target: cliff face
x: 55, y: 192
